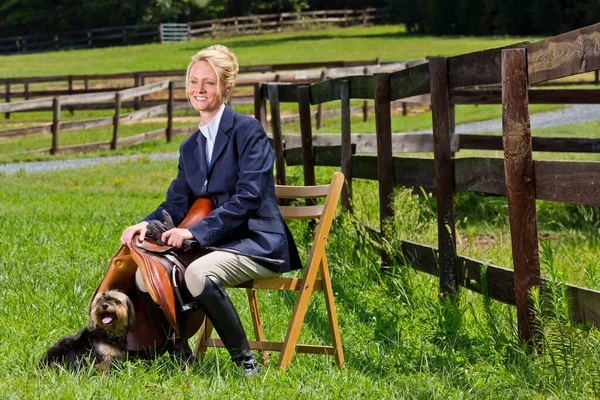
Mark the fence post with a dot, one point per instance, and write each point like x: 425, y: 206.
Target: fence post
x: 346, y: 161
x: 136, y: 83
x: 385, y: 161
x: 308, y: 155
x: 26, y: 90
x: 71, y: 109
x: 213, y: 32
x: 320, y: 106
x: 170, y: 113
x: 277, y: 137
x: 444, y: 174
x: 7, y: 98
x: 55, y: 124
x: 89, y: 38
x: 365, y: 103
x: 520, y: 185
x: 260, y: 105
x: 596, y: 73
x: 117, y: 116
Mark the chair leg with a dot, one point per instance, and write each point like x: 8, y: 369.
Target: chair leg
x: 300, y: 308
x: 256, y: 321
x: 203, y: 335
x: 332, y: 313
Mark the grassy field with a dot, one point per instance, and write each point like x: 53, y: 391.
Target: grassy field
x: 388, y: 43
x: 59, y: 230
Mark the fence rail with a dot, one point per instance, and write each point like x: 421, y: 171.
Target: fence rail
x: 150, y: 33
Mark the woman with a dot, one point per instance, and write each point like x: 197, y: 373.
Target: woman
x: 229, y: 159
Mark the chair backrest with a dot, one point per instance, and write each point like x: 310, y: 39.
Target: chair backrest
x: 324, y: 212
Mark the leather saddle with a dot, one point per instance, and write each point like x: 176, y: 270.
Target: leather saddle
x: 162, y: 269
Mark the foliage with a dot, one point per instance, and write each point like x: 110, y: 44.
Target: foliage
x: 512, y: 17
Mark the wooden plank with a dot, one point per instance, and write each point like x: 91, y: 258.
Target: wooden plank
x: 346, y: 147
x: 585, y: 304
x: 568, y: 182
x: 55, y: 124
x: 308, y: 159
x: 536, y: 96
x: 385, y: 163
x: 367, y: 142
x: 549, y: 144
x: 477, y: 68
x: 301, y: 192
x: 361, y: 87
x: 364, y: 167
x: 142, y: 138
x: 260, y: 106
x: 116, y: 118
x: 276, y: 346
x: 568, y: 54
x: 170, y: 104
x: 26, y: 105
x: 328, y: 156
x: 520, y: 185
x: 325, y: 91
x: 288, y: 93
x: 277, y: 136
x: 410, y: 82
x: 484, y: 175
x: 86, y: 124
x: 144, y: 90
x: 32, y: 130
x: 7, y: 96
x: 500, y: 282
x: 444, y: 179
x: 414, y: 172
x: 83, y: 148
x: 88, y: 98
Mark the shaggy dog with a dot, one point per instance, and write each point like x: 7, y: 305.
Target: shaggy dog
x: 102, y: 340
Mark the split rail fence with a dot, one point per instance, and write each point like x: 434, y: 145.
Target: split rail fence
x: 150, y: 33
x: 165, y: 100
x: 521, y: 179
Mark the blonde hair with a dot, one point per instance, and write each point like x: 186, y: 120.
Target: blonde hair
x: 222, y: 61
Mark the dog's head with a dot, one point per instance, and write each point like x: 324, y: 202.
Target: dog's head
x: 112, y: 311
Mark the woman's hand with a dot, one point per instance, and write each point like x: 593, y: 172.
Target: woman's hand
x: 131, y: 231
x: 175, y: 237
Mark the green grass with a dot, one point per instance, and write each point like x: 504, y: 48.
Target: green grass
x: 59, y: 230
x: 389, y: 43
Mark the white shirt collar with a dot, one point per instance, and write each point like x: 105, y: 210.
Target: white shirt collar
x: 209, y: 131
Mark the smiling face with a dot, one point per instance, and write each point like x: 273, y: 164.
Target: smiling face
x: 204, y: 90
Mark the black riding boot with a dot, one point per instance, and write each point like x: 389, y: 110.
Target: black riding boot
x: 216, y: 304
x: 178, y: 349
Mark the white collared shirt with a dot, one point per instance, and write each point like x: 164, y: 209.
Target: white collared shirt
x: 209, y: 131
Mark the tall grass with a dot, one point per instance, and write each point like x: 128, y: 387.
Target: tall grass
x: 59, y: 229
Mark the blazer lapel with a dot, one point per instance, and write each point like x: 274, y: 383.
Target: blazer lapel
x: 200, y: 153
x: 222, y: 135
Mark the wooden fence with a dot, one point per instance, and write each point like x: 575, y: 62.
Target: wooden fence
x: 137, y: 34
x: 518, y: 177
x: 254, y: 24
x: 56, y: 104
x: 34, y: 87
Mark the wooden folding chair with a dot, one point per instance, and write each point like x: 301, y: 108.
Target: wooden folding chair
x: 317, y: 262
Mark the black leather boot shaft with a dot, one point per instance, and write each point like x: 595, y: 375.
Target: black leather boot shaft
x: 216, y: 304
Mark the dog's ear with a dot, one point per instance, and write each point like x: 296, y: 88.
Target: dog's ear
x: 130, y: 315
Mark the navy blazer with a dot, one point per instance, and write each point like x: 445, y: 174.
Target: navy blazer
x: 240, y: 182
